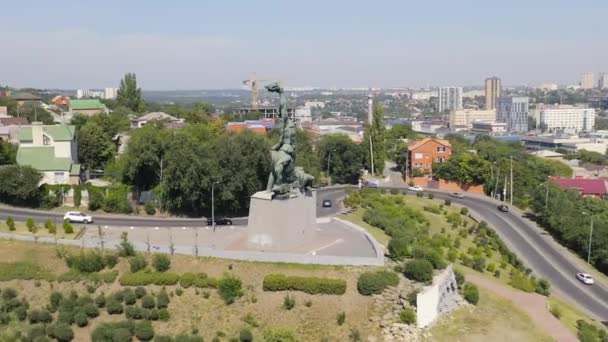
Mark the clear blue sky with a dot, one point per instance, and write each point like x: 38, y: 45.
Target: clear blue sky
x: 200, y: 44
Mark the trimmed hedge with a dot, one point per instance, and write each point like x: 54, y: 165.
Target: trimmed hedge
x: 375, y: 282
x: 148, y: 278
x: 471, y: 293
x: 419, y: 270
x: 310, y: 285
x: 201, y: 280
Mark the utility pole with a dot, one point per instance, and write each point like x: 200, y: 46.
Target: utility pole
x: 547, y: 197
x: 407, y: 164
x: 496, y: 191
x: 371, y: 151
x: 328, y: 161
x: 504, y: 190
x: 213, y: 204
x: 590, y: 238
x: 511, y: 180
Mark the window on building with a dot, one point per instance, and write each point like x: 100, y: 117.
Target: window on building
x: 46, y: 140
x: 417, y: 155
x: 59, y: 177
x: 441, y: 149
x: 440, y: 159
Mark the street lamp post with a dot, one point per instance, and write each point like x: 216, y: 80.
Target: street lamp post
x: 213, y: 204
x: 328, y: 164
x: 590, y: 238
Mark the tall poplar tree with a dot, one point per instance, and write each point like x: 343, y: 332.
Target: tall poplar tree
x: 129, y: 95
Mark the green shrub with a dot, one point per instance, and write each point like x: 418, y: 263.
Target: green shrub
x: 447, y: 202
x: 418, y: 270
x: 20, y: 313
x: 419, y: 194
x: 432, y: 209
x: 230, y: 289
x: 187, y: 279
x: 375, y: 282
x: 81, y: 319
x: 587, y: 332
x: 310, y: 285
x: 140, y: 292
x: 162, y: 300
x: 543, y: 287
x: 148, y: 302
x: 163, y: 315
x: 245, y: 335
x: 50, y: 226
x: 556, y: 311
x: 129, y: 296
x: 412, y: 297
x: 491, y: 267
x: 398, y: 247
x: 30, y: 224
x: 61, y: 331
x: 86, y: 262
x: 67, y: 228
x: 430, y: 195
x: 110, y: 259
x: 77, y: 196
x: 100, y: 301
x: 432, y: 255
x: 497, y: 273
x: 137, y: 263
x: 90, y: 309
x: 10, y: 223
x: 279, y: 334
x: 341, y: 318
x: 39, y: 316
x: 179, y: 291
x: 464, y: 211
x: 471, y: 293
x: 148, y: 278
x: 114, y: 307
x: 161, y: 262
x: 289, y: 302
x: 134, y: 312
x: 479, y: 263
x: 149, y: 208
x: 522, y: 282
x: 407, y: 316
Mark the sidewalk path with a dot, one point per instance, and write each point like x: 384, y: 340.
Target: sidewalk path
x: 533, y: 304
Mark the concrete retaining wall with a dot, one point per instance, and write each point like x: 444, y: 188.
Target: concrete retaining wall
x: 439, y: 298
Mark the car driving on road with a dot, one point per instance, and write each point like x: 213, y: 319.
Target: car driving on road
x: 220, y: 221
x: 585, y: 278
x: 457, y: 195
x: 76, y: 216
x: 414, y: 188
x: 327, y: 203
x: 503, y: 208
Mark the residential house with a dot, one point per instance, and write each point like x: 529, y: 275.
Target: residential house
x: 61, y: 101
x: 586, y: 187
x: 50, y: 149
x: 11, y: 121
x: 87, y: 107
x: 23, y: 98
x: 258, y: 126
x: 422, y: 154
x: 157, y: 116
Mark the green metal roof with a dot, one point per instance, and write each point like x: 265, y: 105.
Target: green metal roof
x: 75, y: 170
x: 86, y: 104
x: 56, y: 132
x: 42, y: 159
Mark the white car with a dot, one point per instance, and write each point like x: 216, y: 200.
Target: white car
x: 76, y: 216
x: 415, y: 188
x: 585, y: 278
x: 457, y: 195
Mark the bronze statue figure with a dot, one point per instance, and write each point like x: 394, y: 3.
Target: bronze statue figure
x: 284, y: 175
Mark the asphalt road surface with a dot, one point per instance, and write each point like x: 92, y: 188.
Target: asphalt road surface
x: 20, y: 214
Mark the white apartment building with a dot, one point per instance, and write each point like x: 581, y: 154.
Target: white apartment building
x: 303, y: 114
x: 314, y: 104
x: 565, y: 118
x: 587, y: 80
x: 110, y: 93
x: 466, y: 117
x: 450, y: 98
x: 602, y: 83
x: 514, y: 112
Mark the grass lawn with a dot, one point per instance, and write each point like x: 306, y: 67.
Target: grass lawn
x: 494, y: 319
x: 356, y: 217
x: 21, y: 228
x: 569, y: 313
x: 191, y: 310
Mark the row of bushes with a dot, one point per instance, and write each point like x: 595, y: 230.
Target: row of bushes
x: 201, y: 280
x: 88, y: 262
x: 310, y: 285
x: 375, y: 282
x: 107, y: 277
x: 143, y: 278
x: 123, y: 331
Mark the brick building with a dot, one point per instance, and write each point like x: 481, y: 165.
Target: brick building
x: 422, y: 154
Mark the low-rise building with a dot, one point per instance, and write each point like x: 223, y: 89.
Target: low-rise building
x: 61, y: 101
x: 50, y: 149
x: 490, y: 128
x: 257, y: 126
x: 572, y: 143
x: 155, y: 116
x: 430, y: 126
x: 422, y: 154
x: 564, y: 118
x: 467, y: 117
x: 87, y: 107
x: 586, y: 187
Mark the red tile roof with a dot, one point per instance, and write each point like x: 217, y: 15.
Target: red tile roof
x: 597, y: 187
x: 419, y: 143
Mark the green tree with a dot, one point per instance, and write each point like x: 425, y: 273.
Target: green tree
x: 8, y: 153
x: 145, y: 156
x: 19, y: 185
x: 343, y: 156
x: 129, y: 95
x: 95, y: 147
x: 377, y: 132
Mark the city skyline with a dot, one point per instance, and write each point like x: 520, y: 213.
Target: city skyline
x: 191, y: 45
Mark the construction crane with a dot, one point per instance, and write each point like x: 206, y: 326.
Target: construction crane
x: 254, y: 83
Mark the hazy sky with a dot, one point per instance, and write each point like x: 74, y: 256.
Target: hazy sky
x: 200, y: 44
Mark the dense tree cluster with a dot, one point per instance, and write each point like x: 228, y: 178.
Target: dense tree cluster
x: 376, y: 135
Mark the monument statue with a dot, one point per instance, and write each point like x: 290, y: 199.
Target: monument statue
x: 284, y: 175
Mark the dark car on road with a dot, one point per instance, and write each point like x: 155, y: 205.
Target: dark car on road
x: 327, y: 204
x: 503, y: 208
x: 220, y: 221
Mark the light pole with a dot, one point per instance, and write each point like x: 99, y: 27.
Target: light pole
x: 213, y: 204
x: 547, y: 197
x: 328, y: 164
x: 590, y: 238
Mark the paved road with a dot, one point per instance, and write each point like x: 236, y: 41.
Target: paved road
x: 20, y: 214
x: 544, y: 259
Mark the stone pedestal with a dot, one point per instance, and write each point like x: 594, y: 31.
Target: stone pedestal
x: 281, y: 224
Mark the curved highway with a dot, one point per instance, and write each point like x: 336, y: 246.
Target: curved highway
x: 544, y: 259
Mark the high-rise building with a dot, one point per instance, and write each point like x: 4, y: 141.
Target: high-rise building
x: 587, y: 80
x: 450, y: 98
x: 110, y: 93
x: 493, y: 91
x: 79, y: 93
x: 602, y: 83
x: 370, y: 109
x: 514, y: 112
x: 567, y: 118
